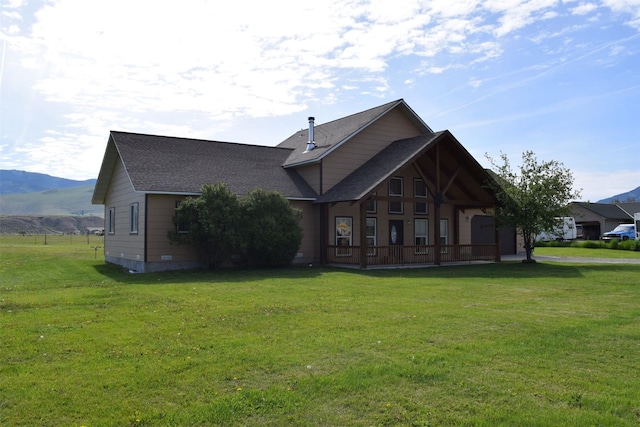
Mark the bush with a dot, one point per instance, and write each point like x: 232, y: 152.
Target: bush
x: 271, y: 231
x: 212, y: 222
x: 592, y: 244
x: 262, y: 226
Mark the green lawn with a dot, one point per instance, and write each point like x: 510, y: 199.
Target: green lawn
x: 84, y: 343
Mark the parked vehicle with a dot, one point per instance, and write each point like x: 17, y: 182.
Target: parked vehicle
x: 621, y: 232
x: 636, y: 218
x: 566, y: 230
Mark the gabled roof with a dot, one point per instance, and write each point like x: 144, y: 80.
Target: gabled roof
x: 169, y: 165
x: 471, y: 177
x: 605, y: 210
x: 331, y: 135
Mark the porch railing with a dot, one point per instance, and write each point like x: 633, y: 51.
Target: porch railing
x: 408, y: 255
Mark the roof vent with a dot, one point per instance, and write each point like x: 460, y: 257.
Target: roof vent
x: 311, y: 143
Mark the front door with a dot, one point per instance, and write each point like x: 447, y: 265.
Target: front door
x: 396, y: 240
x: 396, y: 232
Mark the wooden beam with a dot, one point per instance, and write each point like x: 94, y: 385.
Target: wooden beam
x: 363, y: 236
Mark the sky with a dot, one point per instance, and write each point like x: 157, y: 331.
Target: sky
x: 560, y: 78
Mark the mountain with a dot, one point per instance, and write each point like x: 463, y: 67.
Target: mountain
x: 629, y: 196
x: 20, y: 182
x: 68, y: 201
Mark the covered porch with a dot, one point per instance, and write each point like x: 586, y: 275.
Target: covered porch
x: 400, y: 256
x: 414, y: 203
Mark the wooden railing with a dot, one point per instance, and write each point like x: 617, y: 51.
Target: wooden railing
x: 408, y: 255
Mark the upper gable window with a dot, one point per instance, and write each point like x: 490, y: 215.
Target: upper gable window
x: 371, y: 205
x: 396, y: 190
x: 420, y: 192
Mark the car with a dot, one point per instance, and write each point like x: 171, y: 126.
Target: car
x: 621, y: 232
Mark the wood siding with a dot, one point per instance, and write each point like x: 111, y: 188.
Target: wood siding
x: 122, y: 244
x: 161, y: 209
x: 309, y: 251
x: 362, y: 147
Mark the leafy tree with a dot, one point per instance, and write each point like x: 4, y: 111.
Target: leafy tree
x: 271, y: 231
x: 211, y: 221
x: 532, y: 200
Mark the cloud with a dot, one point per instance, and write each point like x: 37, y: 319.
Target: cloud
x: 146, y: 65
x: 584, y: 9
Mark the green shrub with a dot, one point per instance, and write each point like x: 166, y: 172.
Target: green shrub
x: 271, y: 231
x: 629, y: 245
x: 593, y: 244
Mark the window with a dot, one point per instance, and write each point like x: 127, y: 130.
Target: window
x: 111, y: 226
x: 181, y: 227
x: 371, y: 205
x: 444, y: 233
x: 133, y: 218
x: 420, y: 192
x: 344, y: 227
x: 395, y: 190
x: 421, y: 232
x: 372, y: 240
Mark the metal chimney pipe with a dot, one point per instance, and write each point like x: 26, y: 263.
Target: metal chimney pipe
x: 311, y: 143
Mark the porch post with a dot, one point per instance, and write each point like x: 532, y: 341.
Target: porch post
x: 436, y: 235
x: 436, y: 214
x: 497, y: 254
x: 363, y: 235
x: 324, y: 232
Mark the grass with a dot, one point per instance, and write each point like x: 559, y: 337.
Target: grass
x: 581, y: 252
x: 84, y: 343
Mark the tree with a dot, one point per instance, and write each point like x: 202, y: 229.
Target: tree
x: 533, y: 200
x: 271, y: 231
x: 211, y: 222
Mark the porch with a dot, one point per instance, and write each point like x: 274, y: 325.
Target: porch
x: 406, y: 255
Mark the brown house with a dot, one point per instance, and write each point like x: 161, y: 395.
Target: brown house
x: 375, y: 188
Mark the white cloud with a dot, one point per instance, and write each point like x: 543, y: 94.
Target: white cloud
x: 130, y: 65
x: 584, y: 9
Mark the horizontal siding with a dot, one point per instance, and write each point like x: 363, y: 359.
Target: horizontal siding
x: 311, y: 174
x: 159, y: 223
x: 120, y: 196
x: 358, y: 150
x: 309, y: 247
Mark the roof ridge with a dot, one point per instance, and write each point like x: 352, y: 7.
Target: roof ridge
x: 184, y: 138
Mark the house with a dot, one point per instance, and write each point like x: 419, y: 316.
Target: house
x: 598, y: 218
x: 375, y: 188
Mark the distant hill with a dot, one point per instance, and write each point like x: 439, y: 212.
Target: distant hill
x: 629, y: 196
x: 24, y: 224
x: 69, y: 201
x: 20, y: 182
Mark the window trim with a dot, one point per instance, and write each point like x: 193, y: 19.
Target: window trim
x: 180, y: 228
x: 111, y: 226
x: 134, y: 215
x: 416, y: 196
x: 371, y: 249
x: 400, y: 195
x: 444, y: 235
x: 418, y: 250
x: 343, y: 249
x: 374, y: 204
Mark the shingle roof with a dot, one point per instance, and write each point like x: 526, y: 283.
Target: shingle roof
x: 379, y: 168
x: 161, y: 164
x: 329, y: 136
x: 605, y: 210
